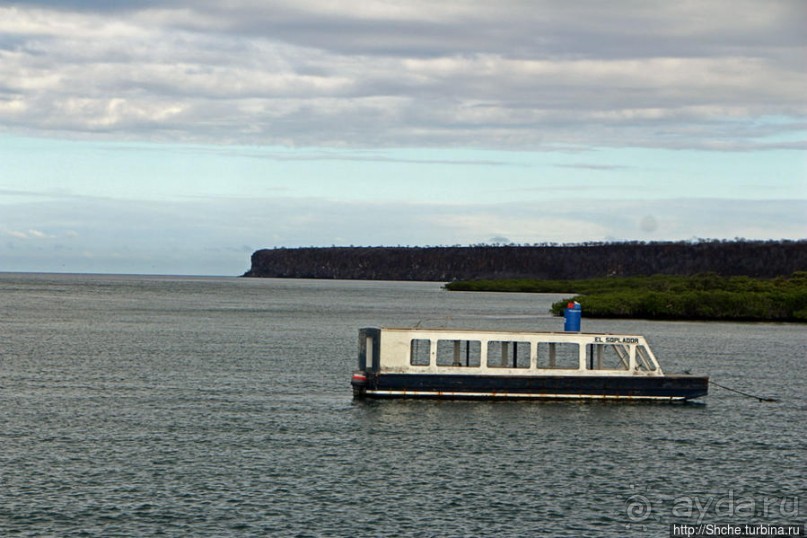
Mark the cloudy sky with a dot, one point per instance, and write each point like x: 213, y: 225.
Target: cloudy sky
x: 177, y: 137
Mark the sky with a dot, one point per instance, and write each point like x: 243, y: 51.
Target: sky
x: 177, y: 137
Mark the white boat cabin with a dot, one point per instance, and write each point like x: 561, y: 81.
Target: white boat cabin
x: 461, y: 351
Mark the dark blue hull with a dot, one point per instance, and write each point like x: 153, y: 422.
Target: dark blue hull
x: 668, y: 387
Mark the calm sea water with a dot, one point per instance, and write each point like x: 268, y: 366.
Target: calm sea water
x: 139, y: 406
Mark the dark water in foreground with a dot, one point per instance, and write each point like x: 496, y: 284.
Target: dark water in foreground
x: 139, y: 406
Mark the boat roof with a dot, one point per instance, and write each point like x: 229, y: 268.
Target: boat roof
x: 497, y: 331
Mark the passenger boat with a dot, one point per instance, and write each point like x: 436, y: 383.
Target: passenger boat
x: 471, y: 364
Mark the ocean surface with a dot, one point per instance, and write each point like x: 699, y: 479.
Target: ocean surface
x: 184, y: 406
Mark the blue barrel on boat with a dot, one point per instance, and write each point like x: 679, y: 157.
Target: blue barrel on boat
x: 573, y: 314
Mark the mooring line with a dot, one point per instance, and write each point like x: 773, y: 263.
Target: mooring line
x: 743, y: 393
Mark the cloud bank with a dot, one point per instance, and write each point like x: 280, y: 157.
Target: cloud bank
x: 720, y: 75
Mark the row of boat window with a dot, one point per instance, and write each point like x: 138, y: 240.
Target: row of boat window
x: 508, y: 354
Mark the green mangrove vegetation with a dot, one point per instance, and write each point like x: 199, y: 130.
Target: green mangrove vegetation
x: 672, y: 297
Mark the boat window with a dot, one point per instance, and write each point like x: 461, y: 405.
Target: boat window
x: 459, y: 353
x: 368, y: 356
x: 643, y: 360
x: 562, y: 355
x: 508, y: 354
x: 420, y: 352
x: 607, y: 357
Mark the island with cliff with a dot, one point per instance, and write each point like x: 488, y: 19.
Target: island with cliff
x: 758, y: 259
x: 702, y: 280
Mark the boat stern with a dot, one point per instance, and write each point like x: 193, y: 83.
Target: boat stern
x: 359, y: 383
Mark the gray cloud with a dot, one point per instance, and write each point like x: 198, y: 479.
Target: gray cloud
x: 88, y: 5
x: 519, y: 75
x: 593, y: 166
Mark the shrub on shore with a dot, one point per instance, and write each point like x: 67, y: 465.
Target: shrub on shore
x: 699, y: 297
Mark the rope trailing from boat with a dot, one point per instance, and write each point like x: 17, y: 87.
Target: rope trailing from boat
x: 743, y: 393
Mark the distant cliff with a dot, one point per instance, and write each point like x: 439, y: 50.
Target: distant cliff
x: 590, y: 260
